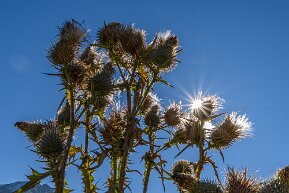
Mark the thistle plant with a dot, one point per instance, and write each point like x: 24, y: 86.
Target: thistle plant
x: 109, y: 95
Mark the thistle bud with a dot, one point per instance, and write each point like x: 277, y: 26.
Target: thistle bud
x: 51, y: 144
x: 172, y: 115
x: 33, y: 130
x: 231, y: 129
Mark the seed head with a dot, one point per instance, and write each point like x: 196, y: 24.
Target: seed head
x: 231, y: 129
x: 172, y: 115
x: 33, y: 130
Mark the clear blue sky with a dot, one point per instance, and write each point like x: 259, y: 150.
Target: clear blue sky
x: 238, y: 49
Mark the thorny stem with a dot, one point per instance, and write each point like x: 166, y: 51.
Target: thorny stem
x: 87, y: 127
x: 149, y: 163
x: 129, y: 130
x: 69, y: 141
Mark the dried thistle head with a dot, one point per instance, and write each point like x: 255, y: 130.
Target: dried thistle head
x: 90, y: 57
x: 172, y: 115
x: 150, y: 100
x: 283, y: 175
x: 182, y: 167
x: 203, y: 107
x: 74, y: 72
x: 163, y: 51
x: 133, y: 40
x: 51, y: 144
x: 113, y: 127
x: 180, y: 136
x: 62, y: 52
x: 152, y: 118
x: 102, y: 83
x: 195, y: 132
x: 72, y: 32
x: 240, y: 182
x: 109, y: 35
x: 233, y: 127
x: 33, y: 130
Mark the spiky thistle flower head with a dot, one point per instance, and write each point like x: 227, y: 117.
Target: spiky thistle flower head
x: 109, y: 35
x: 152, y: 117
x: 182, y: 167
x: 74, y: 72
x: 113, y: 127
x: 162, y: 52
x: 283, y: 175
x: 66, y: 48
x: 239, y: 181
x: 102, y: 83
x: 33, y: 130
x: 195, y: 132
x: 62, y: 52
x: 133, y: 40
x: 91, y: 57
x: 172, y: 115
x: 203, y: 107
x: 150, y: 100
x: 72, y: 32
x: 180, y: 136
x: 233, y: 127
x: 51, y: 144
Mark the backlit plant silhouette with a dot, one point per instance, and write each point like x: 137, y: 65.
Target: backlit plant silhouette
x: 108, y: 94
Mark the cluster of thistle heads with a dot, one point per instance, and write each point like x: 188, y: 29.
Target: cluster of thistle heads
x: 236, y: 181
x: 109, y: 91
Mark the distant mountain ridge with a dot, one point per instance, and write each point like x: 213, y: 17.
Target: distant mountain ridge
x: 10, y: 188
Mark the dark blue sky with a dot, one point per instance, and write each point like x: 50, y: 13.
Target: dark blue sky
x: 238, y: 49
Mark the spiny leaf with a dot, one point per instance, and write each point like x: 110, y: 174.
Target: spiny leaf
x: 34, y: 179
